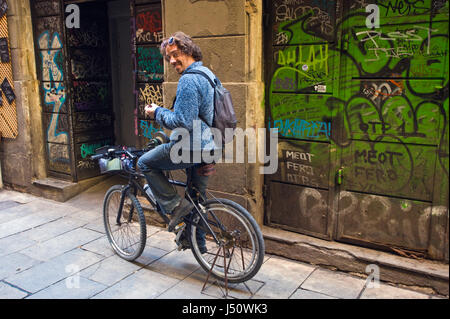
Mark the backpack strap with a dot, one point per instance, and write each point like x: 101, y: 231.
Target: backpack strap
x: 194, y: 71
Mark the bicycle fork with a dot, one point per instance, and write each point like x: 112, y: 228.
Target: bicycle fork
x: 208, y: 229
x: 122, y: 201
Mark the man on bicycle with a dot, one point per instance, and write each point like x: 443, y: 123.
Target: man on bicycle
x: 194, y: 102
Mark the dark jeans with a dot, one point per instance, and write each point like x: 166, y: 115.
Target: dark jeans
x: 154, y: 163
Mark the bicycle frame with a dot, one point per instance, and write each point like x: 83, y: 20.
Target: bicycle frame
x: 134, y: 184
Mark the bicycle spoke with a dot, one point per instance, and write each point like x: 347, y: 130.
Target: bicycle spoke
x: 240, y: 252
x: 128, y: 236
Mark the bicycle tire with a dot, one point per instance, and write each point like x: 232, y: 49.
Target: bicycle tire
x: 127, y: 248
x: 242, y: 232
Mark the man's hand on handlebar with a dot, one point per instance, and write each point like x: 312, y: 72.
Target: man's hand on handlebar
x: 150, y: 110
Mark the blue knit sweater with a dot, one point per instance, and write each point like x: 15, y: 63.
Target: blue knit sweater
x: 195, y: 96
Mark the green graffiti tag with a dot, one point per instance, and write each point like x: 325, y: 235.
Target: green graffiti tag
x: 375, y: 93
x: 89, y: 149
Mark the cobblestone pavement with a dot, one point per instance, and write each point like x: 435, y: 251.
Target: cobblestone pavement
x: 60, y: 251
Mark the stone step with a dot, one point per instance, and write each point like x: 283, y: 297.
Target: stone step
x: 62, y: 190
x: 415, y: 273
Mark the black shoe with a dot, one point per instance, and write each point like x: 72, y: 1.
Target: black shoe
x: 203, y: 249
x: 183, y: 245
x: 183, y: 209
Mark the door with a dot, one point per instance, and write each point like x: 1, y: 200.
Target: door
x: 147, y: 34
x: 119, y: 15
x: 395, y: 105
x: 359, y: 93
x: 301, y: 65
x: 90, y: 84
x: 74, y: 73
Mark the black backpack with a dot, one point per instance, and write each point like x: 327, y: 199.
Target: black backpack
x: 224, y: 115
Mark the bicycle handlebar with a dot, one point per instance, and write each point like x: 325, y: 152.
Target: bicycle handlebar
x: 117, y: 153
x: 111, y: 153
x: 159, y: 138
x: 96, y: 157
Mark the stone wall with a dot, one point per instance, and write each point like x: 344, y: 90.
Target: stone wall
x: 229, y: 34
x: 22, y: 158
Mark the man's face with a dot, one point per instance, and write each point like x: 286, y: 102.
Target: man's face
x: 179, y: 60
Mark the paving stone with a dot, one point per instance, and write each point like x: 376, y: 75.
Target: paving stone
x: 87, y: 215
x: 189, y: 288
x: 50, y: 272
x: 48, y: 208
x: 306, y: 294
x: 177, y: 264
x: 96, y: 225
x: 12, y: 213
x: 8, y: 204
x: 70, y: 288
x: 14, y: 243
x: 160, y: 272
x: 110, y: 270
x: 8, y: 292
x: 91, y: 199
x: 384, y: 291
x: 61, y: 244
x: 53, y: 229
x: 143, y: 284
x: 162, y: 240
x: 23, y: 223
x: 150, y: 254
x: 15, y: 263
x: 153, y: 230
x: 100, y: 246
x: 438, y: 297
x: 334, y: 283
x: 281, y: 277
x: 246, y: 290
x: 26, y: 209
x: 18, y: 197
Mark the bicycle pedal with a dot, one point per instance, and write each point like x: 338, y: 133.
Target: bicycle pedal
x: 181, y: 247
x: 179, y: 227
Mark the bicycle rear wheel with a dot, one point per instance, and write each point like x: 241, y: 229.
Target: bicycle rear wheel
x: 127, y: 235
x: 239, y: 252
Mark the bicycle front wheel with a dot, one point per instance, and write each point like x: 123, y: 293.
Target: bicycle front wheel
x: 235, y: 248
x: 125, y: 228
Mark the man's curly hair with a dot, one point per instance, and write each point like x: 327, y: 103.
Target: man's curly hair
x: 184, y: 43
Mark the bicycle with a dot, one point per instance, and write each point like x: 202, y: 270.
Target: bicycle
x: 230, y: 232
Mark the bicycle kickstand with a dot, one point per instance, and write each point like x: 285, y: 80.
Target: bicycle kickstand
x: 225, y: 268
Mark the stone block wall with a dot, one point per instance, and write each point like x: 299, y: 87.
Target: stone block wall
x: 224, y: 30
x: 22, y: 158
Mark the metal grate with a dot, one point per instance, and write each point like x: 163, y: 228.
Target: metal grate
x: 8, y: 116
